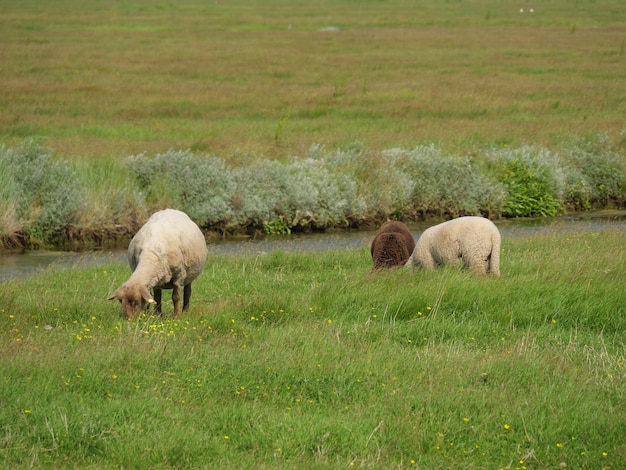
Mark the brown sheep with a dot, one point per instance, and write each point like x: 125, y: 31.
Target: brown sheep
x: 392, y: 245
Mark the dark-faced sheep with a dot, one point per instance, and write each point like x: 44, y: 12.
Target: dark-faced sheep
x: 474, y: 241
x: 392, y: 245
x: 168, y: 252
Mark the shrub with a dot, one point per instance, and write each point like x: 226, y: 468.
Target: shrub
x: 383, y: 188
x: 596, y: 175
x: 301, y: 193
x: 42, y: 197
x: 259, y: 196
x: 203, y: 187
x: 45, y: 196
x: 320, y: 197
x: 532, y: 178
x: 449, y: 186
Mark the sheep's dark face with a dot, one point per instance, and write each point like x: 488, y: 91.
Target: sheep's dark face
x: 132, y: 305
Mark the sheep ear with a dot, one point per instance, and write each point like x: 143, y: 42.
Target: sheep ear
x: 145, y: 293
x: 114, y: 295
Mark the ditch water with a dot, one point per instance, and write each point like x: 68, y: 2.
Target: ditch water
x: 21, y: 266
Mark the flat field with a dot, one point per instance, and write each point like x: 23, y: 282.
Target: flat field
x: 310, y: 360
x: 272, y: 78
x: 296, y: 360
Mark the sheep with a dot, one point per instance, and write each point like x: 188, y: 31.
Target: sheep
x: 168, y: 252
x: 392, y: 245
x: 473, y: 240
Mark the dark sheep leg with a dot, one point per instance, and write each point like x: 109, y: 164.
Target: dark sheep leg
x: 157, y: 300
x: 176, y: 299
x: 186, y: 296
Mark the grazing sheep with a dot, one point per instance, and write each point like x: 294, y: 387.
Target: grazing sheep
x: 168, y: 252
x: 473, y: 240
x: 392, y: 245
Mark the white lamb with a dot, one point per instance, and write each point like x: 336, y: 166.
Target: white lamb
x: 474, y: 241
x: 168, y: 252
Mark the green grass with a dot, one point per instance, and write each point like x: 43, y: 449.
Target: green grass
x: 310, y: 360
x: 142, y: 77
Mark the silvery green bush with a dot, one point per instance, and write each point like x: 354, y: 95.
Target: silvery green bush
x: 45, y: 197
x: 259, y: 191
x: 303, y: 192
x: 337, y: 200
x: 449, y: 186
x: 42, y: 197
x: 596, y: 174
x: 384, y: 189
x: 353, y: 185
x: 203, y: 187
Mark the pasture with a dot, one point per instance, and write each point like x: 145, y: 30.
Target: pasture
x: 311, y: 360
x: 273, y: 78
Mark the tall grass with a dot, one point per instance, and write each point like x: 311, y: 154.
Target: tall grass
x: 312, y: 360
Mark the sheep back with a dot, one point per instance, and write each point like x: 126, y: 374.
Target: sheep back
x: 392, y: 245
x: 473, y: 241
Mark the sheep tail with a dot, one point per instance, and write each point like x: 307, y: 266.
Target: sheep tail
x: 494, y: 259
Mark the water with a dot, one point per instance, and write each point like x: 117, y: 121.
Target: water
x: 20, y: 266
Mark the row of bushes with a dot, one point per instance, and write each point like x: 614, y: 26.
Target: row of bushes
x: 44, y: 199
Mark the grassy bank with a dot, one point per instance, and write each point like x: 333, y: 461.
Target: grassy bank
x: 51, y: 201
x: 311, y: 360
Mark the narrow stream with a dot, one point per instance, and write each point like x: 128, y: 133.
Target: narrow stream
x: 20, y: 266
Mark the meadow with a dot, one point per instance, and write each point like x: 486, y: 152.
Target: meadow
x: 311, y: 360
x: 267, y: 117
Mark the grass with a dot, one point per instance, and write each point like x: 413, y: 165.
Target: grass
x: 311, y: 360
x: 272, y: 79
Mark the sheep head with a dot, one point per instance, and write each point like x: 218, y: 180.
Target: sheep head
x: 134, y: 298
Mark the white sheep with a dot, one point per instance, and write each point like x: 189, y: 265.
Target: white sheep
x: 474, y: 241
x: 168, y: 252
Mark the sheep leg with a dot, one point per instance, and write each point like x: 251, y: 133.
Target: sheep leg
x: 476, y: 264
x: 176, y: 299
x: 427, y: 261
x: 157, y: 300
x: 186, y: 296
